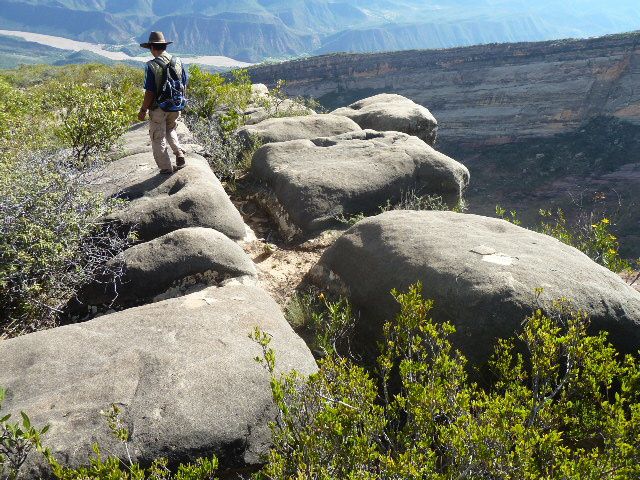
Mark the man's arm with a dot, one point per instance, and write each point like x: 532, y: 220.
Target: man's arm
x: 149, y: 96
x: 149, y: 93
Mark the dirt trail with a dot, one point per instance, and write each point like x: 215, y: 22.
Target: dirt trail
x: 281, y: 265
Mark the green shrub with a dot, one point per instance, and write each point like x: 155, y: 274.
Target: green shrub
x: 53, y: 239
x: 278, y: 104
x: 326, y: 324
x: 591, y: 235
x: 569, y: 408
x: 91, y: 120
x: 227, y: 153
x: 410, y: 199
x: 210, y: 94
x: 17, y: 440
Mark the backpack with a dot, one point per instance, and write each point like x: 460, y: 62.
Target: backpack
x: 171, y: 93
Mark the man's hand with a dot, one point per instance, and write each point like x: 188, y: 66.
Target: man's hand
x: 142, y: 114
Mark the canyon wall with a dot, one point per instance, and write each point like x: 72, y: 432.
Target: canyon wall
x: 487, y: 94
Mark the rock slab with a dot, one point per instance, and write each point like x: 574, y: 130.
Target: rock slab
x: 182, y: 371
x: 282, y: 129
x: 392, y: 112
x: 152, y: 267
x: 316, y: 180
x: 159, y: 204
x: 482, y: 273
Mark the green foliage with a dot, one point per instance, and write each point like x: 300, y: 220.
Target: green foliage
x: 113, y: 468
x: 91, y: 120
x: 53, y: 239
x: 278, y: 104
x: 327, y: 323
x: 17, y: 440
x: 511, y: 216
x: 410, y: 199
x: 592, y: 236
x: 568, y: 408
x: 228, y: 155
x: 210, y: 94
x: 24, y: 123
x: 82, y: 107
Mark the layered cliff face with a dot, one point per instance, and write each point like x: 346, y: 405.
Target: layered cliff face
x: 540, y: 125
x: 485, y: 94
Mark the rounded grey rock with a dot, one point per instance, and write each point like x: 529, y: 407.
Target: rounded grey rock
x: 481, y: 272
x: 389, y: 111
x: 182, y: 372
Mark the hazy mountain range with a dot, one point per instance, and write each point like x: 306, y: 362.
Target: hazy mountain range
x: 253, y: 30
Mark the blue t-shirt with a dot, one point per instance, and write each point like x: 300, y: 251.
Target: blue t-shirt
x: 150, y: 78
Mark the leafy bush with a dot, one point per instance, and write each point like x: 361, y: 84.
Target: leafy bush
x: 17, y: 440
x: 278, y: 104
x: 410, y: 199
x: 53, y: 239
x: 570, y: 408
x: 211, y: 95
x: 91, y: 120
x: 591, y: 235
x: 325, y: 324
x: 226, y: 152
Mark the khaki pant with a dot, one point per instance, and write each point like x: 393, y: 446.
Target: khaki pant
x: 162, y: 129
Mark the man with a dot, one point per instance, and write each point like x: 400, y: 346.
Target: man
x: 162, y: 124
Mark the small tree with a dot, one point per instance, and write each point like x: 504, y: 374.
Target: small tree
x: 91, y: 120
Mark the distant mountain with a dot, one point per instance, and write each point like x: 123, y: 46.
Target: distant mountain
x: 254, y: 30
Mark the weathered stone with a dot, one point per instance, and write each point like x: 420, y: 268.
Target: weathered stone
x: 482, y: 273
x: 159, y: 204
x: 316, y: 180
x: 282, y: 129
x: 152, y: 267
x: 182, y: 371
x: 391, y: 112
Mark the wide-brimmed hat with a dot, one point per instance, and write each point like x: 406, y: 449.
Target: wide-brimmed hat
x: 155, y: 38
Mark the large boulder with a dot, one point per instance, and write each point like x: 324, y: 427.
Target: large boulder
x: 314, y: 181
x: 482, y: 273
x: 282, y: 129
x: 159, y: 204
x: 182, y: 371
x: 389, y: 111
x: 182, y: 256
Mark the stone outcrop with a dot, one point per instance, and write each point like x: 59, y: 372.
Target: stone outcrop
x: 175, y: 259
x: 317, y: 180
x: 387, y: 111
x: 182, y: 371
x: 487, y: 93
x: 482, y: 273
x: 159, y: 204
x: 282, y: 129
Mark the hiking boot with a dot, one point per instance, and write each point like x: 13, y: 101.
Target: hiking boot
x: 180, y: 163
x: 167, y: 171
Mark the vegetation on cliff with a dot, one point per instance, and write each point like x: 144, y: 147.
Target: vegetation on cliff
x: 56, y: 126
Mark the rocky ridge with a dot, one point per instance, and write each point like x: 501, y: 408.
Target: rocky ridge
x: 176, y: 359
